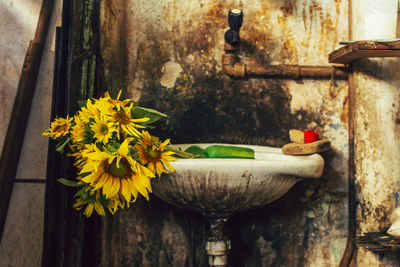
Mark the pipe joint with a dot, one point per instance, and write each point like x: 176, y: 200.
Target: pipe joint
x: 232, y: 68
x: 217, y: 252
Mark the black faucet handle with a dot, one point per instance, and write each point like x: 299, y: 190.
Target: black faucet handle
x: 235, y: 19
x: 232, y: 37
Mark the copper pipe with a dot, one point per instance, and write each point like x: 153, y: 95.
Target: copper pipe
x: 236, y: 69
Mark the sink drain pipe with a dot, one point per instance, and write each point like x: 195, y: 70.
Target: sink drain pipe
x: 218, y: 243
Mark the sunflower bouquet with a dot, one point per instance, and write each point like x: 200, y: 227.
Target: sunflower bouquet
x: 115, y: 156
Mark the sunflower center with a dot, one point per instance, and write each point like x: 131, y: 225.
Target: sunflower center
x: 154, y: 154
x: 123, y: 170
x: 104, y: 129
x: 61, y: 128
x: 122, y: 117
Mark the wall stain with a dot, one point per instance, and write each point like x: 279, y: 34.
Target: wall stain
x: 216, y: 16
x: 344, y: 115
x: 114, y: 45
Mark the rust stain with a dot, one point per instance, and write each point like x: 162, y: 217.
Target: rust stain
x: 287, y: 9
x: 382, y: 214
x: 289, y: 51
x: 183, y: 82
x: 304, y: 16
x: 337, y: 4
x: 375, y: 217
x: 344, y: 115
x: 290, y: 45
x: 217, y: 14
x: 256, y: 36
x: 169, y: 9
x: 327, y: 25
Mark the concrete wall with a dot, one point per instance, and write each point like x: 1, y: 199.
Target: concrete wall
x: 21, y: 244
x: 167, y: 54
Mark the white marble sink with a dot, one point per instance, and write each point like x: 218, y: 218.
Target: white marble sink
x: 219, y: 187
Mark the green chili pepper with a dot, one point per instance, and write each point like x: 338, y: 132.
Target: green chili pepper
x: 222, y: 151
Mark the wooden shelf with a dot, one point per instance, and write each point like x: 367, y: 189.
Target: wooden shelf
x: 364, y: 49
x: 379, y: 242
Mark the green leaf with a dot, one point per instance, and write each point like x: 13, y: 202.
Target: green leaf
x: 153, y: 115
x: 61, y: 145
x: 80, y: 192
x: 67, y: 182
x: 82, y: 103
x: 112, y: 147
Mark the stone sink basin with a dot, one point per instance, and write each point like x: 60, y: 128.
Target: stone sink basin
x: 220, y: 187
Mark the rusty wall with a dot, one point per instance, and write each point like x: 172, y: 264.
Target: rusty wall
x: 376, y: 115
x: 167, y: 55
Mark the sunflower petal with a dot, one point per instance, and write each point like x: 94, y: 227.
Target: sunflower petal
x: 159, y: 168
x: 145, y: 181
x: 163, y: 144
x: 99, y: 209
x: 140, y: 188
x: 89, y: 178
x: 107, y: 186
x: 123, y: 149
x: 116, y: 186
x: 89, y: 210
x: 169, y: 158
x: 125, y: 190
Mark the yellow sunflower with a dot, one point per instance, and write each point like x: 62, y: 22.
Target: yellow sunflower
x: 102, y: 129
x: 77, y: 150
x: 118, y: 104
x: 78, y: 131
x: 152, y: 153
x: 116, y: 175
x: 125, y: 122
x: 120, y: 113
x: 59, y: 127
x: 88, y: 112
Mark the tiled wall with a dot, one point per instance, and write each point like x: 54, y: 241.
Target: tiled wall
x: 21, y: 244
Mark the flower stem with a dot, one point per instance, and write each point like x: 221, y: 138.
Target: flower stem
x: 181, y: 154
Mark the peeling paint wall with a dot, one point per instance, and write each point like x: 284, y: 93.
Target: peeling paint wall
x: 167, y: 54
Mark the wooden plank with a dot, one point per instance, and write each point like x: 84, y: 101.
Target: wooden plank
x: 306, y: 149
x: 346, y: 57
x: 364, y: 49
